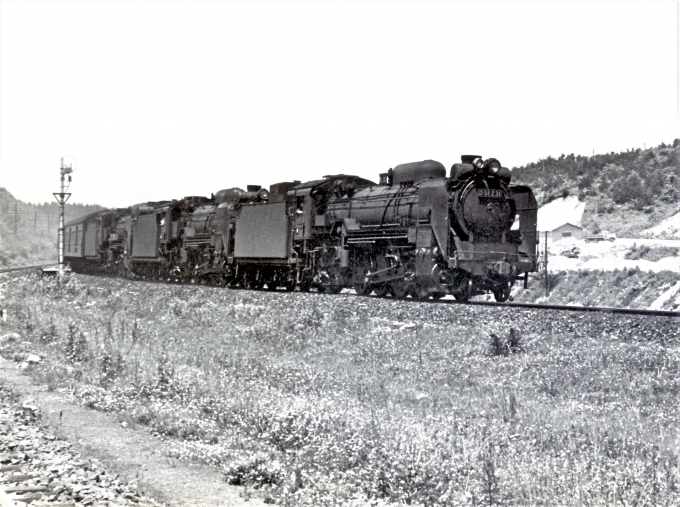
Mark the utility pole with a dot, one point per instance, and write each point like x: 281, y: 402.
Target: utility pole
x: 16, y: 208
x: 61, y: 198
x: 547, y: 285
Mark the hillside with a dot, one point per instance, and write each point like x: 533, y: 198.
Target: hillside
x: 626, y: 192
x: 28, y: 232
x: 624, y: 288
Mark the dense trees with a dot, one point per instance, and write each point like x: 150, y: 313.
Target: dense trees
x: 635, y: 177
x: 29, y: 231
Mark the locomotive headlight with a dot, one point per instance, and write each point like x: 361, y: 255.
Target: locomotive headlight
x: 493, y: 165
x: 478, y: 163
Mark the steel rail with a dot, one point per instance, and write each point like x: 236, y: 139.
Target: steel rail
x: 23, y: 268
x: 569, y: 308
x: 532, y: 306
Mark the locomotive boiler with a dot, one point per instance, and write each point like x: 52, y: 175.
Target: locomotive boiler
x: 419, y: 232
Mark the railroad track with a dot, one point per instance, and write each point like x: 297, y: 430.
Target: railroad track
x: 26, y: 268
x: 568, y: 308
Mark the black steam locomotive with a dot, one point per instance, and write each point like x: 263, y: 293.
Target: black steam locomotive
x: 417, y: 232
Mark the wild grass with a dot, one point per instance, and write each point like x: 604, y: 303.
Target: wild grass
x: 620, y: 288
x: 333, y: 400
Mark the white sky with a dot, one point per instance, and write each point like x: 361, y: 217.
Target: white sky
x: 163, y: 99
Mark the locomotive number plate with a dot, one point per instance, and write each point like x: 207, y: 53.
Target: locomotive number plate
x: 490, y: 193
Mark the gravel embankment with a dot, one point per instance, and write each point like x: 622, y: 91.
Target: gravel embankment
x: 38, y: 468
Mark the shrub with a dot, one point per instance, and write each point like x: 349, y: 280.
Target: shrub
x: 49, y: 334
x: 504, y: 346
x: 76, y: 344
x: 111, y: 367
x: 652, y: 254
x: 257, y: 470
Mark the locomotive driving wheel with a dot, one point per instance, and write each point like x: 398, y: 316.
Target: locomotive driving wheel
x: 502, y: 292
x: 334, y: 285
x: 464, y: 291
x: 420, y: 292
x: 381, y: 290
x: 399, y: 289
x: 361, y: 284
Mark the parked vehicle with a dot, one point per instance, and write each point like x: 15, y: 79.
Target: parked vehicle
x: 604, y: 236
x: 572, y: 252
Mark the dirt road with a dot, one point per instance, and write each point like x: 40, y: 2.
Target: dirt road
x: 135, y: 455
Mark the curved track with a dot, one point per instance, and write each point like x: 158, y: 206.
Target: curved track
x: 569, y: 308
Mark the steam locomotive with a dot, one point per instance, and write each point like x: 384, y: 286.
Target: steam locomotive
x: 416, y: 233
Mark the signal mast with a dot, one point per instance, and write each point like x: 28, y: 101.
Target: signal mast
x: 61, y: 198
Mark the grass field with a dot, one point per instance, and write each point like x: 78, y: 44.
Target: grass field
x: 339, y: 400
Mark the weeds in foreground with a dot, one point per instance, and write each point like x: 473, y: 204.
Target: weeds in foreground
x: 341, y: 401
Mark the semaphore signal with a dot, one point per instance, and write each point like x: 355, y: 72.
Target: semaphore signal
x: 62, y: 197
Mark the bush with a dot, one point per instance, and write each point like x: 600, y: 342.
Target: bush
x: 504, y: 346
x: 652, y: 254
x: 76, y: 344
x: 258, y: 470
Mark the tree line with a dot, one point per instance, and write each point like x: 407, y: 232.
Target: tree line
x: 28, y: 232
x: 639, y: 177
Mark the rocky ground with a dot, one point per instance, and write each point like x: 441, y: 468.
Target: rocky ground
x: 38, y: 468
x: 56, y: 453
